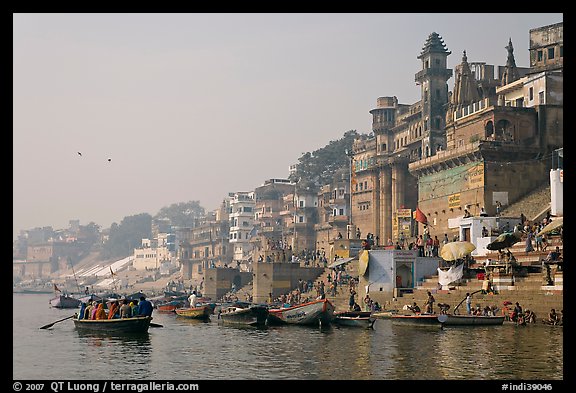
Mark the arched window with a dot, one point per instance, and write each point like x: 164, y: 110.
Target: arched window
x: 489, y: 129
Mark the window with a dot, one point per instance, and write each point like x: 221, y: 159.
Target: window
x: 300, y: 218
x: 301, y: 203
x: 561, y: 50
x: 541, y: 98
x: 550, y: 53
x: 540, y: 55
x: 519, y: 102
x: 341, y: 212
x: 531, y: 94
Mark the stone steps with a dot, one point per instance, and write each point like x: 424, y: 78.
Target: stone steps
x: 528, y: 291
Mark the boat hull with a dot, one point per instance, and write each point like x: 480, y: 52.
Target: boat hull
x: 63, y: 301
x: 202, y: 312
x: 420, y: 319
x: 317, y: 312
x: 469, y: 320
x: 123, y: 325
x: 361, y: 319
x: 249, y: 316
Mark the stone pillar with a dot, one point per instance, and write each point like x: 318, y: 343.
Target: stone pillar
x: 386, y: 204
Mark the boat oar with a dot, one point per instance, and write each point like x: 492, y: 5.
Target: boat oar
x: 52, y: 324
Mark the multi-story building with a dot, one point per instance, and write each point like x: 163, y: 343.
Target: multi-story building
x: 241, y: 217
x: 333, y: 210
x: 270, y: 217
x: 206, y: 245
x: 498, y: 142
x: 483, y: 142
x: 383, y: 188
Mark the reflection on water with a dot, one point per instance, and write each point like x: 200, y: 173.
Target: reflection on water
x: 188, y: 349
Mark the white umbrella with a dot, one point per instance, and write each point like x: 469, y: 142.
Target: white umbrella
x: 555, y: 224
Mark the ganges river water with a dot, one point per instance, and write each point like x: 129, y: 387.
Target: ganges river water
x: 187, y: 350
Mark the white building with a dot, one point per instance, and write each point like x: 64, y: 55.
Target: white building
x: 241, y: 218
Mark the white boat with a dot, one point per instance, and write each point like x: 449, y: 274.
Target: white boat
x: 317, y: 312
x: 64, y: 301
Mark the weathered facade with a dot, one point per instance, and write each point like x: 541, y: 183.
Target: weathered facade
x: 498, y: 143
x: 383, y: 187
x: 205, y: 246
x: 486, y: 141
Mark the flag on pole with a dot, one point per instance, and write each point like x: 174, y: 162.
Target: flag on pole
x: 353, y: 170
x: 420, y: 216
x: 56, y: 289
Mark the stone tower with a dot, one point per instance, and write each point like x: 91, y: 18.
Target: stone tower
x: 434, y: 91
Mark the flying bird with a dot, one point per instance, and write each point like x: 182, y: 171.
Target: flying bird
x: 80, y: 154
x: 109, y: 159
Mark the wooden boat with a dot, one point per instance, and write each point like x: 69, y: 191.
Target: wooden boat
x: 472, y: 320
x: 201, y: 312
x: 317, y: 312
x: 117, y: 325
x: 420, y: 319
x: 362, y: 319
x: 169, y: 307
x: 252, y: 315
x: 64, y: 301
x: 387, y: 314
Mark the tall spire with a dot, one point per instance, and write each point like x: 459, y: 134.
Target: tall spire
x: 510, y: 73
x: 465, y: 85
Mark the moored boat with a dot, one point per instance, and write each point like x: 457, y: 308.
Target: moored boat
x: 420, y: 319
x: 469, y: 319
x: 317, y: 312
x: 169, y: 307
x: 138, y: 324
x: 252, y: 315
x: 201, y: 312
x: 64, y: 301
x: 362, y: 319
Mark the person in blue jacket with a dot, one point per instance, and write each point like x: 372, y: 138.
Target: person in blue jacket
x: 145, y: 307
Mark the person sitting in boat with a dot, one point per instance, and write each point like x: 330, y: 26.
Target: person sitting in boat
x: 134, y: 307
x: 114, y: 311
x: 100, y: 313
x: 82, y: 311
x: 125, y: 309
x: 145, y: 308
x: 88, y: 310
x: 356, y: 307
x: 414, y: 308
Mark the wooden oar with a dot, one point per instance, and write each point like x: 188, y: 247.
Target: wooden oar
x: 52, y: 324
x: 152, y: 324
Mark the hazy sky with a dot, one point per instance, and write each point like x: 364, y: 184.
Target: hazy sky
x: 194, y: 106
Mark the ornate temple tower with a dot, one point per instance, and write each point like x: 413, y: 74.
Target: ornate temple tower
x: 434, y: 90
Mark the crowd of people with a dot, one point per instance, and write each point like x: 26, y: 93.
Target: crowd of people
x: 124, y: 308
